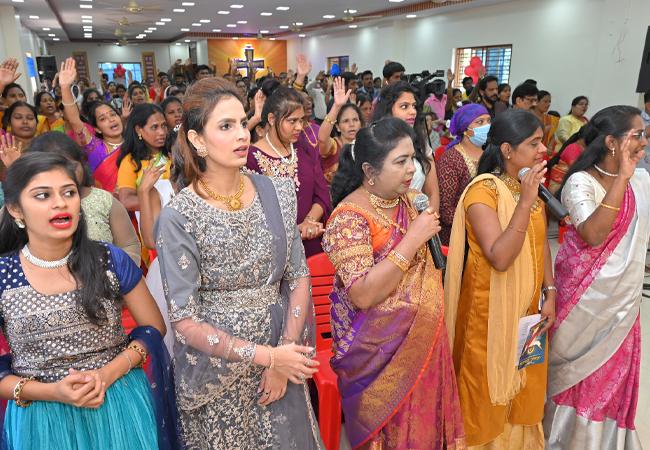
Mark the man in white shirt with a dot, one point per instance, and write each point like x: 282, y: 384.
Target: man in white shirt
x: 318, y: 90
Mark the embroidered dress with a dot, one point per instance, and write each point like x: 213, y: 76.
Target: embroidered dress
x: 47, y: 335
x: 395, y: 372
x: 222, y: 276
x: 595, y: 343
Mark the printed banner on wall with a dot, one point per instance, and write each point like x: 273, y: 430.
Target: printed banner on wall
x: 265, y: 54
x: 82, y: 64
x: 149, y: 66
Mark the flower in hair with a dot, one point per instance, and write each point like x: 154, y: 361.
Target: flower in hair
x: 352, y: 149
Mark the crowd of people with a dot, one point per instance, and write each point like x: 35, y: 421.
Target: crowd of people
x: 218, y: 190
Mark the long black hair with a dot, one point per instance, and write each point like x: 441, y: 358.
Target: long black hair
x: 5, y: 91
x: 6, y: 119
x: 513, y: 126
x: 373, y: 144
x: 61, y: 143
x: 572, y: 140
x: 344, y: 108
x: 86, y: 104
x: 611, y: 121
x: 39, y: 96
x: 576, y: 101
x: 89, y: 259
x: 133, y: 145
x: 281, y: 101
x: 384, y: 108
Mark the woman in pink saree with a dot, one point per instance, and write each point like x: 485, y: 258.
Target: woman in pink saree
x: 594, y: 356
x: 391, y: 350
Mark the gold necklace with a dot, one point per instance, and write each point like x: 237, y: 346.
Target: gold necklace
x: 514, y: 186
x: 387, y: 222
x: 472, y: 164
x: 232, y: 202
x: 380, y: 202
x: 313, y: 144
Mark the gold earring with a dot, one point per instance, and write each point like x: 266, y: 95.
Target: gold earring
x: 202, y: 152
x: 20, y: 223
x: 139, y: 136
x: 371, y: 182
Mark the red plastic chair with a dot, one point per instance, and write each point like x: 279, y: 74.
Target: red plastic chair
x: 445, y: 250
x: 438, y: 152
x: 562, y: 230
x: 445, y: 141
x: 329, y: 401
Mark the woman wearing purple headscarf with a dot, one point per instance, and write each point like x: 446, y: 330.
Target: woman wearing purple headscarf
x: 458, y: 165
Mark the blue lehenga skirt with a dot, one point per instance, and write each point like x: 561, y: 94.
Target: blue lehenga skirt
x: 126, y: 420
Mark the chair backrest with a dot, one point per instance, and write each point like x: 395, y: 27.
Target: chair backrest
x: 438, y: 152
x: 128, y: 322
x: 322, y: 278
x: 445, y: 250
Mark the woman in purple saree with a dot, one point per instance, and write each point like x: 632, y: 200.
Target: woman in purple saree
x: 594, y: 346
x: 391, y: 350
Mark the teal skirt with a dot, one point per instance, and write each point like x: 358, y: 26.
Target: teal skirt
x: 126, y: 420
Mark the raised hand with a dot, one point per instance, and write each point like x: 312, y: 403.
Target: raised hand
x: 340, y: 96
x: 127, y: 108
x: 628, y: 157
x: 481, y: 73
x: 178, y: 61
x: 157, y: 88
x: 10, y: 149
x: 100, y: 72
x: 68, y: 73
x: 353, y: 69
x: 260, y: 99
x: 450, y: 76
x: 233, y: 65
x: 321, y: 75
x: 8, y: 71
x: 304, y: 67
x: 188, y: 62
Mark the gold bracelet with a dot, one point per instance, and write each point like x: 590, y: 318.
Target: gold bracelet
x: 609, y: 207
x: 143, y: 354
x: 311, y: 217
x: 68, y: 104
x: 298, y: 86
x: 18, y: 389
x: 398, y: 260
x: 518, y: 229
x: 330, y: 121
x: 272, y: 357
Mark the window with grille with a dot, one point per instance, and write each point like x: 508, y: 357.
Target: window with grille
x: 109, y: 67
x: 496, y: 60
x: 342, y: 61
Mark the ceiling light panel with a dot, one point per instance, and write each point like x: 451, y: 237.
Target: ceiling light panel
x: 179, y: 10
x: 160, y: 23
x: 266, y: 14
x: 223, y: 12
x: 34, y: 17
x: 237, y: 6
x: 282, y: 8
x: 328, y: 16
x: 204, y: 20
x: 86, y: 6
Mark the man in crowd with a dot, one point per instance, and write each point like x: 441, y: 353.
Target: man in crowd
x: 48, y: 85
x: 350, y: 80
x: 282, y: 77
x: 241, y: 88
x: 488, y: 88
x: 368, y: 88
x: 392, y: 72
x: 202, y: 71
x: 318, y: 90
x: 524, y: 97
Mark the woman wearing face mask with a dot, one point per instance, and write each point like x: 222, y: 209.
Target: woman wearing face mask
x: 173, y: 108
x: 459, y: 164
x: 103, y: 147
x: 399, y: 100
x: 334, y: 134
x: 508, y: 269
x: 280, y: 155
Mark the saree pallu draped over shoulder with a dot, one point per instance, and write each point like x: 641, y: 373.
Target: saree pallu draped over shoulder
x: 393, y: 360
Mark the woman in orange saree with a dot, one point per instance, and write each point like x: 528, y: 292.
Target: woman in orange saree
x: 391, y: 350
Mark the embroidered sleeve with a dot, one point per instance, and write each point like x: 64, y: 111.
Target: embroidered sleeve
x: 484, y: 192
x: 348, y: 244
x: 579, y: 197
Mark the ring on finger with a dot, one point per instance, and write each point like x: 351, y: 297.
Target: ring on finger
x: 302, y: 377
x: 430, y: 210
x: 436, y: 215
x: 309, y: 231
x: 266, y: 393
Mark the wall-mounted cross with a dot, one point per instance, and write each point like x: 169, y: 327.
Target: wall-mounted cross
x: 250, y: 62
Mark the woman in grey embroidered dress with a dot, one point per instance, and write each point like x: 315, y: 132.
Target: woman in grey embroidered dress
x: 237, y: 286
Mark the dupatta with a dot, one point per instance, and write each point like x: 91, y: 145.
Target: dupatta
x: 510, y: 295
x: 106, y: 172
x: 383, y: 351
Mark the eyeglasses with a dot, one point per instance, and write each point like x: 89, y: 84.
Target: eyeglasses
x: 641, y: 135
x: 532, y: 100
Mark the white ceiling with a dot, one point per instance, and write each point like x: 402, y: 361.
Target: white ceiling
x: 64, y: 17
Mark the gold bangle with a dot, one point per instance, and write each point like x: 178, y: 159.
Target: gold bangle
x: 609, y: 207
x: 68, y: 104
x: 272, y: 357
x: 18, y: 389
x: 311, y: 217
x: 298, y: 85
x: 518, y: 229
x: 399, y: 260
x: 330, y: 121
x: 143, y: 354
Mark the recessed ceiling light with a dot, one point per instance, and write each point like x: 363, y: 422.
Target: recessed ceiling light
x: 87, y: 21
x: 284, y: 27
x: 204, y: 20
x: 282, y: 8
x: 165, y: 19
x: 352, y: 11
x: 271, y: 39
x: 223, y: 12
x: 18, y: 1
x: 46, y: 29
x: 85, y: 26
x: 266, y: 14
x: 86, y: 6
x: 231, y: 25
x: 86, y: 17
x: 51, y: 35
x: 139, y: 37
x: 87, y: 34
x: 216, y: 30
x: 153, y: 28
x: 185, y: 29
x: 264, y: 31
x: 179, y: 10
x: 187, y: 40
x: 178, y: 43
x: 395, y: 1
x: 328, y: 16
x: 196, y: 24
x: 55, y: 39
x: 235, y: 38
x: 411, y: 16
x: 353, y: 26
x: 187, y: 4
x: 160, y: 23
x: 237, y: 6
x: 299, y: 23
x: 301, y: 35
x: 34, y: 17
x: 148, y: 31
x: 242, y: 21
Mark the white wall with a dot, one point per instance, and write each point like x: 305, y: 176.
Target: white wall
x: 165, y: 54
x: 566, y: 45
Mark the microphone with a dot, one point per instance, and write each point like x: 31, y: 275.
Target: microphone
x: 553, y: 204
x: 421, y: 202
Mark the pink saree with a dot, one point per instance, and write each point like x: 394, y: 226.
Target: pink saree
x: 594, y: 356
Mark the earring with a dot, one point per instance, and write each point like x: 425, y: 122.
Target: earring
x: 202, y: 152
x: 508, y: 156
x: 140, y: 136
x: 20, y: 223
x: 371, y: 182
x: 613, y: 152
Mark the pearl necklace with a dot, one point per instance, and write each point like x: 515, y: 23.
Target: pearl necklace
x: 45, y: 264
x: 613, y: 175
x: 284, y: 160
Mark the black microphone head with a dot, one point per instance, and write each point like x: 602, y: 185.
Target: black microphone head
x: 421, y: 202
x: 523, y: 172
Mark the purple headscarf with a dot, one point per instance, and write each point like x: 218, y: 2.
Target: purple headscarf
x: 464, y: 116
